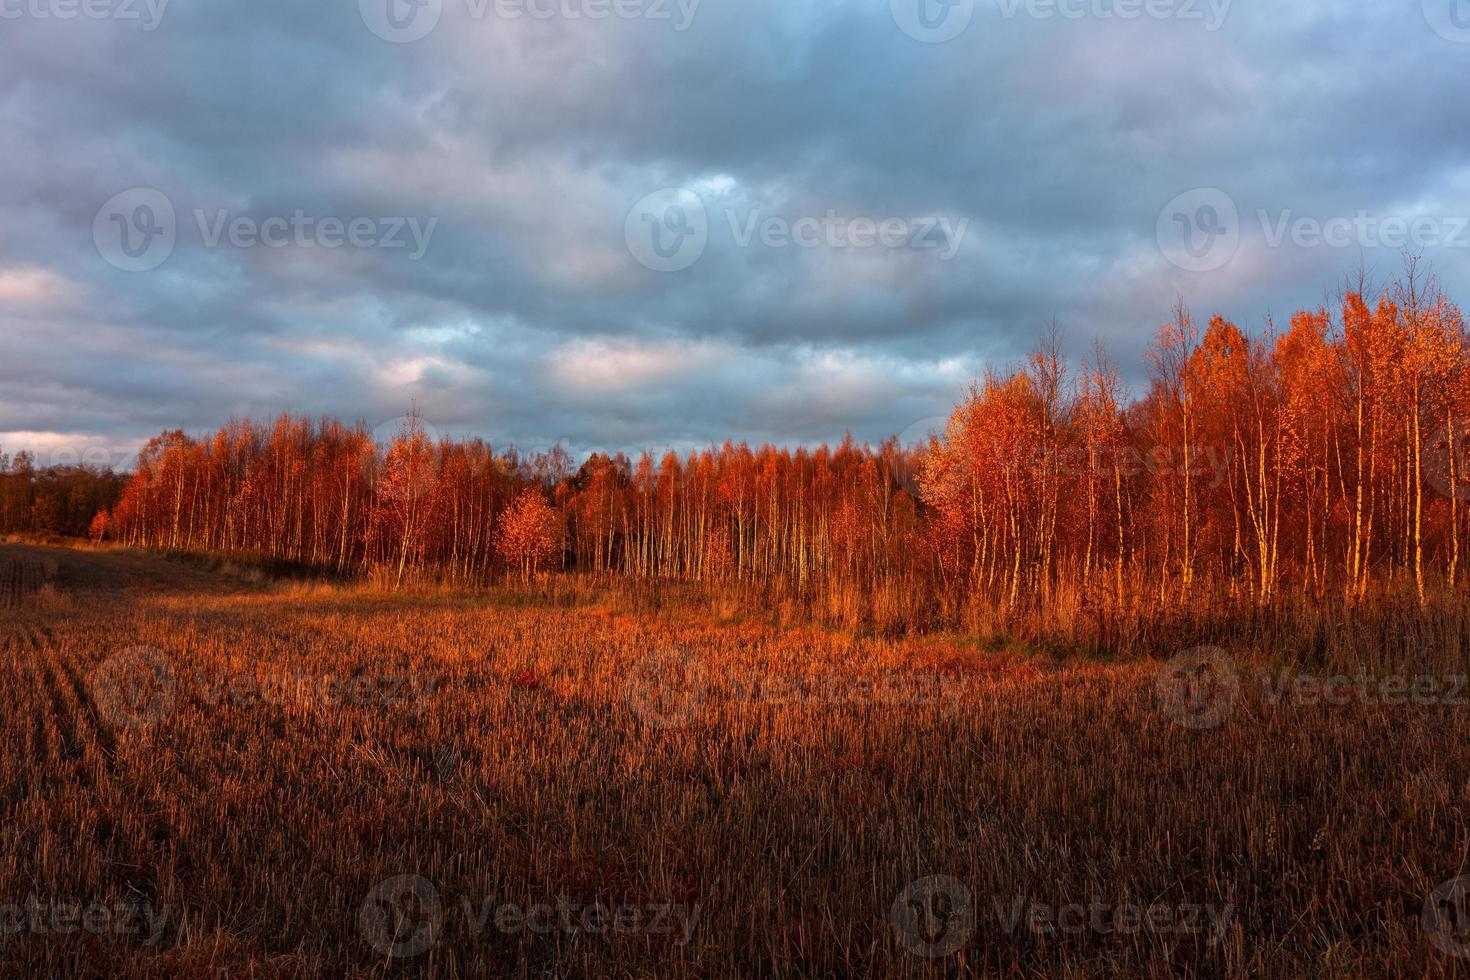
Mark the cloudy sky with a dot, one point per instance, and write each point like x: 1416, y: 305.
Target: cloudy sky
x: 628, y: 223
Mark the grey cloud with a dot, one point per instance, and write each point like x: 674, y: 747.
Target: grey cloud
x: 529, y: 141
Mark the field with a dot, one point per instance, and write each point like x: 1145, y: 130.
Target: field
x: 208, y: 774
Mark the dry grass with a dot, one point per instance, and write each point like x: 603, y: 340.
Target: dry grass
x: 536, y: 754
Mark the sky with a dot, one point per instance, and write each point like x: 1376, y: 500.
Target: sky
x: 640, y: 224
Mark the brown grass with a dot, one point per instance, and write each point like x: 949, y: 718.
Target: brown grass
x: 576, y: 751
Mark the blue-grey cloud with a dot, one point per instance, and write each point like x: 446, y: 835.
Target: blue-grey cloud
x: 1032, y: 154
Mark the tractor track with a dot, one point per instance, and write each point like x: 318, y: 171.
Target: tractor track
x: 27, y: 726
x: 19, y: 578
x: 86, y: 755
x: 77, y: 690
x: 73, y: 747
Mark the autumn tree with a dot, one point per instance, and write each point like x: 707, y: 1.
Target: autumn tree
x: 530, y: 533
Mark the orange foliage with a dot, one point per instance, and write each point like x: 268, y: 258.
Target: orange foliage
x: 1322, y: 461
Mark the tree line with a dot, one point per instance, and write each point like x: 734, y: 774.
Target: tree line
x: 1322, y: 460
x: 53, y: 500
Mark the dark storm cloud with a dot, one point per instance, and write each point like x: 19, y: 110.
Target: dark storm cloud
x: 1045, y: 140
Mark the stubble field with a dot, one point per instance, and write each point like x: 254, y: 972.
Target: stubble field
x: 205, y: 775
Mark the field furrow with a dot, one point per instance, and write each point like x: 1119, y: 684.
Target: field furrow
x: 65, y: 713
x: 20, y: 579
x: 95, y: 733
